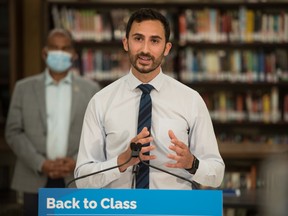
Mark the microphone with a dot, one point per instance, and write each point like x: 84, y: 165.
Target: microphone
x: 137, y: 148
x: 134, y: 152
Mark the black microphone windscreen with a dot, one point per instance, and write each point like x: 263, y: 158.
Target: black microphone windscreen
x: 136, y: 148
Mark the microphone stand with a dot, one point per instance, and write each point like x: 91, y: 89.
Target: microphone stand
x: 136, y: 148
x: 135, y: 171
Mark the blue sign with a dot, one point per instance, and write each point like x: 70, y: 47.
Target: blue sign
x: 126, y: 202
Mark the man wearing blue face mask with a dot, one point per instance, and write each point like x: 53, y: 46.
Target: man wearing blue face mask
x: 45, y: 120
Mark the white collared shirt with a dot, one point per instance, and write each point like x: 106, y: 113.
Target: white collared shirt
x: 110, y: 123
x: 58, y: 106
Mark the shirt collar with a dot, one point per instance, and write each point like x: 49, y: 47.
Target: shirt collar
x: 157, y: 82
x: 49, y: 80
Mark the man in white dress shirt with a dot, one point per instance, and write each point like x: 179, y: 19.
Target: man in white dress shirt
x: 182, y: 139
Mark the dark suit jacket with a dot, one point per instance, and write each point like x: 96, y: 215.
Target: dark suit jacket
x: 26, y: 128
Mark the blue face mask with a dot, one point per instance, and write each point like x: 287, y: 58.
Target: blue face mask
x: 59, y: 61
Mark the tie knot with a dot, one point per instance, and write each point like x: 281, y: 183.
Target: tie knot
x: 145, y: 88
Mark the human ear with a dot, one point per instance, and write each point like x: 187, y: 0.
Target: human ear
x: 44, y: 53
x: 125, y: 44
x: 168, y: 47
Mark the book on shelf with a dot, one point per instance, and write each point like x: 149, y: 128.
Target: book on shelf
x: 244, y: 105
x: 84, y: 24
x: 119, y: 18
x: 96, y: 25
x: 170, y: 16
x: 235, y: 181
x: 236, y: 25
x: 233, y: 65
x: 104, y: 64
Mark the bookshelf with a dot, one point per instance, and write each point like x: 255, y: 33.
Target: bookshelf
x: 234, y: 53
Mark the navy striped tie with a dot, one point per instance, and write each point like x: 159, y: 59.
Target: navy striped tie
x: 144, y: 120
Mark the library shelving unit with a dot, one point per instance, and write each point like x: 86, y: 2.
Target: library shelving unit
x: 235, y: 53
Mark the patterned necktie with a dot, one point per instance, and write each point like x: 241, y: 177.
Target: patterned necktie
x: 144, y: 120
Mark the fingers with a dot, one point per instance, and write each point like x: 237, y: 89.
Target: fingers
x: 175, y: 140
x: 171, y: 135
x: 143, y: 137
x: 183, y: 162
x: 182, y: 157
x: 145, y: 150
x: 48, y: 166
x: 65, y: 164
x: 59, y: 168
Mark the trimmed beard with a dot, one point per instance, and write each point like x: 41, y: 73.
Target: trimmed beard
x: 155, y: 62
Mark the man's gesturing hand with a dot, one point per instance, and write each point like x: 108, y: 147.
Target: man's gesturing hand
x: 143, y: 137
x: 182, y: 157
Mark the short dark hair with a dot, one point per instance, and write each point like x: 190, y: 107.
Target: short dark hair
x: 148, y: 14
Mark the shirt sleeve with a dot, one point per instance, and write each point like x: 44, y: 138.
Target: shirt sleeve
x: 204, y: 146
x: 92, y: 156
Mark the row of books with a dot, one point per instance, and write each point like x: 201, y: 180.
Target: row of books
x: 260, y: 106
x: 208, y: 24
x: 107, y: 64
x: 84, y: 24
x: 233, y: 65
x: 237, y: 180
x: 251, y: 177
x: 198, y: 65
x: 235, y: 25
x: 104, y: 64
x: 94, y: 24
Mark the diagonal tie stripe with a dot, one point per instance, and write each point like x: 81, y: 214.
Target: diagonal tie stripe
x: 144, y: 120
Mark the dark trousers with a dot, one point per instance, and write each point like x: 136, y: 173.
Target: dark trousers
x: 31, y: 199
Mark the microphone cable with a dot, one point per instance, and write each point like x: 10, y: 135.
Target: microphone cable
x: 97, y: 172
